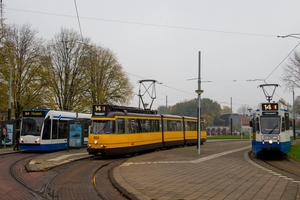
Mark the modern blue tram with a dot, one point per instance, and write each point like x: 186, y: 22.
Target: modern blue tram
x: 47, y: 130
x: 271, y: 130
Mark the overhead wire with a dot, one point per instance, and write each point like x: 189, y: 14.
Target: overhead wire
x: 78, y: 19
x: 164, y: 26
x: 146, y: 24
x: 282, y: 61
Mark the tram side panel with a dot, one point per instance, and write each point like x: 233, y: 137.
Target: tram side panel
x: 46, y: 130
x: 132, y: 134
x: 173, y: 134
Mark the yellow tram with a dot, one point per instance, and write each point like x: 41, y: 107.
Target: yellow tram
x: 119, y: 130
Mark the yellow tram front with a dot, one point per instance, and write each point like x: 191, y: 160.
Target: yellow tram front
x: 120, y: 130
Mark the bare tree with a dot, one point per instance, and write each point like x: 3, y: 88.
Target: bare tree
x: 21, y: 51
x: 81, y: 74
x: 109, y: 83
x: 66, y: 76
x: 243, y: 109
x: 291, y: 76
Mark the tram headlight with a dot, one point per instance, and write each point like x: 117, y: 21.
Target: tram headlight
x: 270, y: 141
x: 96, y: 142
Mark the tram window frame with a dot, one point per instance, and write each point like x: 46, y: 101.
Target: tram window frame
x: 202, y: 126
x: 120, y: 125
x: 283, y: 124
x: 54, y: 130
x: 173, y: 125
x: 257, y: 124
x: 47, y: 129
x: 287, y: 121
x: 157, y: 126
x: 63, y: 129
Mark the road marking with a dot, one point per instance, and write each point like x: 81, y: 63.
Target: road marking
x: 65, y: 156
x: 192, y: 161
x: 246, y: 156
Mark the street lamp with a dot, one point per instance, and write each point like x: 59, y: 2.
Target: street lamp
x: 199, y: 92
x: 294, y: 35
x: 249, y: 109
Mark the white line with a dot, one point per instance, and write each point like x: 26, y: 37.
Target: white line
x: 268, y: 170
x: 193, y: 161
x: 65, y: 156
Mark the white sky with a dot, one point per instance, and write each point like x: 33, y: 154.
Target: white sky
x: 161, y: 40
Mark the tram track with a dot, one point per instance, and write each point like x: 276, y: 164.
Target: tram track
x: 101, y: 184
x: 84, y: 179
x: 283, y: 167
x: 14, y: 170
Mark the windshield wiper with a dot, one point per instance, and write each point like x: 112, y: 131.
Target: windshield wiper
x: 273, y: 129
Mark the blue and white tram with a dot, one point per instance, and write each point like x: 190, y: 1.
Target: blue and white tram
x: 47, y: 130
x: 271, y: 129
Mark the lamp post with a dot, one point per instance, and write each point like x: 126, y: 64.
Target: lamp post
x: 9, y: 98
x: 199, y: 92
x: 297, y: 36
x: 249, y: 109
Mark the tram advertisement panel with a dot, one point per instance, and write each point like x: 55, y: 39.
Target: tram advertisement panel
x: 75, y: 135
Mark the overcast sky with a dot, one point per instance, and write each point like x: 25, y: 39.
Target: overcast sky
x: 161, y: 40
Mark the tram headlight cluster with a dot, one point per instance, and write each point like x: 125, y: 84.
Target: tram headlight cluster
x: 96, y: 142
x: 270, y: 139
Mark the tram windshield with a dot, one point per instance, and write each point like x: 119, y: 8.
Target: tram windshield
x: 270, y: 125
x: 103, y: 126
x: 32, y: 126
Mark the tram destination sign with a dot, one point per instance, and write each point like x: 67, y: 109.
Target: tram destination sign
x: 269, y: 106
x: 99, y: 110
x: 33, y: 114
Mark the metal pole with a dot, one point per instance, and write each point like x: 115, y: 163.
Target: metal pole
x: 294, y: 125
x: 231, y: 116
x: 199, y: 105
x: 9, y: 100
x: 166, y: 104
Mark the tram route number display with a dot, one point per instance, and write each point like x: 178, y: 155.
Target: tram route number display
x: 269, y: 106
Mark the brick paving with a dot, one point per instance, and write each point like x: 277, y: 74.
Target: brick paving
x: 221, y: 171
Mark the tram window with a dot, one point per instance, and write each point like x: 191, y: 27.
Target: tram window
x: 203, y: 126
x: 257, y: 124
x: 121, y: 125
x: 270, y: 125
x: 173, y: 125
x: 188, y: 126
x: 287, y: 121
x: 192, y: 126
x: 153, y: 125
x: 132, y: 126
x: 109, y: 127
x: 63, y: 129
x: 47, y: 130
x: 283, y: 124
x: 145, y: 125
x: 150, y: 125
x: 54, y: 129
x: 32, y: 126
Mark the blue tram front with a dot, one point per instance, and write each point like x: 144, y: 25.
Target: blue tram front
x: 271, y: 129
